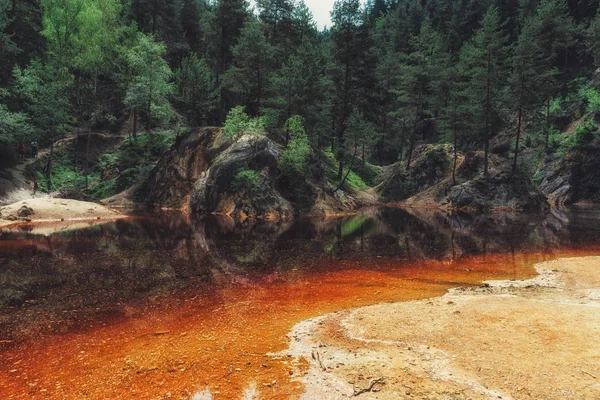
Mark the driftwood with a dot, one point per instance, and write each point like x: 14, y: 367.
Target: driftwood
x: 317, y: 357
x: 369, y: 388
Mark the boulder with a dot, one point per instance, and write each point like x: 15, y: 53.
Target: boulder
x: 25, y: 212
x: 214, y: 192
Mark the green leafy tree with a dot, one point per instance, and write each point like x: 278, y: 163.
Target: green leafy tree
x: 43, y: 89
x: 150, y: 87
x: 20, y: 39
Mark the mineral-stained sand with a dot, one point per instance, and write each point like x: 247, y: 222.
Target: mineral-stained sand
x: 535, y: 339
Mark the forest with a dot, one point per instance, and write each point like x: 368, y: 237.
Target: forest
x: 386, y: 77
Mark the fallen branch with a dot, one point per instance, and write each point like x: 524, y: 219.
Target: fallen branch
x: 317, y: 357
x: 369, y: 388
x: 587, y: 373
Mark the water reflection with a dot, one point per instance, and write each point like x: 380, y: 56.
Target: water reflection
x: 84, y: 277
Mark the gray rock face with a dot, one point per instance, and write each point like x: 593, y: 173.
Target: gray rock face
x: 198, y: 172
x: 499, y: 192
x: 213, y: 189
x: 171, y: 182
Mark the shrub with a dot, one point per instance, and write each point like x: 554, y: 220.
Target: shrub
x: 585, y: 133
x: 239, y: 122
x: 593, y: 101
x: 294, y: 160
x: 246, y: 180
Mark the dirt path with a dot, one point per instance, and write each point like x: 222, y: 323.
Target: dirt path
x: 530, y: 339
x: 14, y: 184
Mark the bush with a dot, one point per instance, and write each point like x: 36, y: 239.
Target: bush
x: 246, y: 180
x: 294, y: 160
x: 238, y: 122
x: 585, y: 133
x: 593, y: 101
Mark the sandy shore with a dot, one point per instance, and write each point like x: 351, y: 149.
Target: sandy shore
x: 49, y: 211
x: 532, y: 339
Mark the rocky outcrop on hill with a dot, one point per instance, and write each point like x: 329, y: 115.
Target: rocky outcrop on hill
x: 213, y: 192
x: 429, y: 182
x: 431, y: 165
x: 572, y: 178
x: 197, y: 174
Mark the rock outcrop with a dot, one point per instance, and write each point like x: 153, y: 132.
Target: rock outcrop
x: 198, y: 172
x: 572, y: 178
x: 213, y: 192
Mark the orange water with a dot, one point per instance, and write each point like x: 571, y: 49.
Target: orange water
x: 232, y: 333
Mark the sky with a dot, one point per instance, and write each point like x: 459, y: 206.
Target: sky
x: 321, y: 10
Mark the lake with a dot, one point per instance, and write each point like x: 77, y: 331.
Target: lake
x: 166, y: 305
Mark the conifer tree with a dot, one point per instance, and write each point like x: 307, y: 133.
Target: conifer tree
x: 249, y: 75
x: 483, y: 59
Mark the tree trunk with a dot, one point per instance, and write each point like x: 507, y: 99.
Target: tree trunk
x: 415, y: 126
x: 349, y: 170
x: 87, y: 156
x: 135, y: 123
x: 49, y: 165
x: 547, y: 121
x: 455, y: 139
x: 519, y: 124
x: 488, y: 101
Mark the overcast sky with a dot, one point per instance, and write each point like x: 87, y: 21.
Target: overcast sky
x: 320, y: 10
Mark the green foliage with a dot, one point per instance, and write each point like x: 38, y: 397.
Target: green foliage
x: 294, y: 161
x: 238, y: 123
x: 150, y: 85
x: 196, y: 87
x: 585, y: 133
x: 246, y: 180
x: 593, y: 100
x: 354, y: 180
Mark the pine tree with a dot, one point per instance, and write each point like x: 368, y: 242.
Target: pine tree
x: 349, y: 51
x: 417, y: 75
x: 299, y: 87
x: 249, y: 75
x: 222, y: 29
x: 554, y: 31
x: 483, y: 63
x: 43, y: 91
x: 524, y: 79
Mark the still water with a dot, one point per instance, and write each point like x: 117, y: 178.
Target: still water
x: 164, y: 306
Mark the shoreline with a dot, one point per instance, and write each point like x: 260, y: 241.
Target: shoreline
x: 437, y: 348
